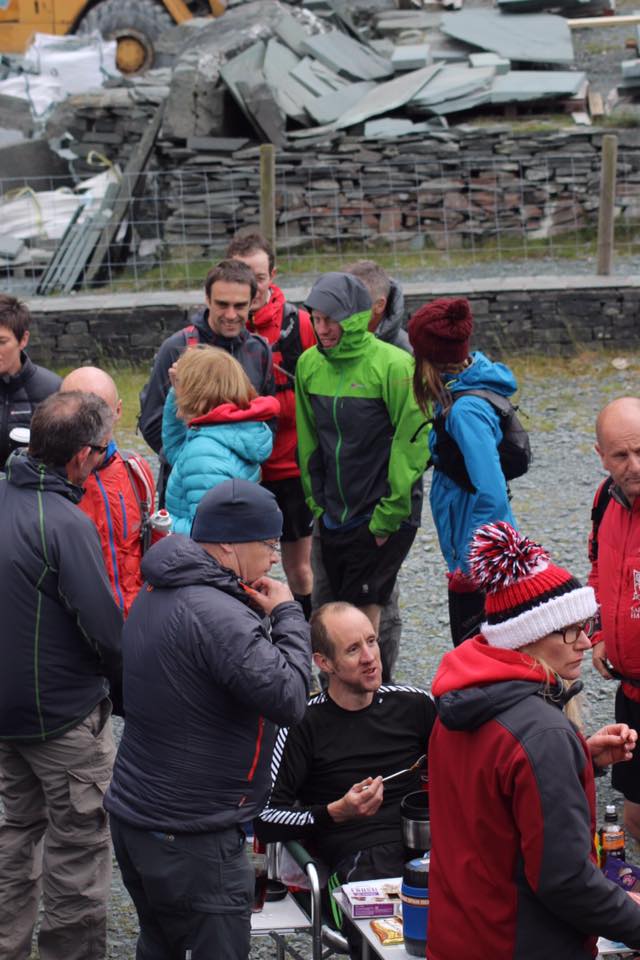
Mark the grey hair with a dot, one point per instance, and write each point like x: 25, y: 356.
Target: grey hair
x: 64, y: 423
x: 374, y: 277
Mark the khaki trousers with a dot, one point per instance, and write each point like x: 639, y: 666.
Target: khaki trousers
x: 54, y: 841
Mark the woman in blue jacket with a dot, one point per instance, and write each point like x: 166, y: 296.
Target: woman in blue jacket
x: 440, y: 333
x: 214, y: 428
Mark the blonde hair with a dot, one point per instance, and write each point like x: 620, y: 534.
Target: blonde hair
x: 554, y: 680
x: 207, y: 377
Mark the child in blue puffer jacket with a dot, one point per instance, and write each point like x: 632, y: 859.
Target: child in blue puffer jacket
x: 214, y: 428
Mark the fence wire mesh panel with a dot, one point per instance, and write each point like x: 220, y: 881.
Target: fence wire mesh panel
x: 417, y: 215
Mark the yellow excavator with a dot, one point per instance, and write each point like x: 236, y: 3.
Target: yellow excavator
x: 135, y: 24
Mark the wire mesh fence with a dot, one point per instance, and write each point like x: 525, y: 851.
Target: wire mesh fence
x: 414, y: 215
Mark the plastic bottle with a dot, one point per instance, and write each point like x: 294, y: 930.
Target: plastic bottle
x: 160, y: 523
x: 611, y: 836
x: 414, y: 894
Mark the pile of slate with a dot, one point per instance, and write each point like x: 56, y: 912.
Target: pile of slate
x: 323, y: 78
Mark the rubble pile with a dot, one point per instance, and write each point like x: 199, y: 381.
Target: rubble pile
x: 358, y: 97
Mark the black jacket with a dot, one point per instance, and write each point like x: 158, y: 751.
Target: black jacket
x: 60, y: 634
x: 19, y: 395
x: 252, y: 352
x: 204, y: 684
x: 391, y: 327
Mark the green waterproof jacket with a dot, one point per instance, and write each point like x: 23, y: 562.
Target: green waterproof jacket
x: 361, y: 448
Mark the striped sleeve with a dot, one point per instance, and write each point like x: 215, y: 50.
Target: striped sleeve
x: 283, y: 818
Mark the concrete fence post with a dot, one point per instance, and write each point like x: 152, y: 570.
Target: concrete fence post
x: 268, y: 192
x: 606, y: 213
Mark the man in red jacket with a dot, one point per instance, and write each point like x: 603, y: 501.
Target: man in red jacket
x: 289, y: 331
x: 614, y: 551
x: 118, y: 495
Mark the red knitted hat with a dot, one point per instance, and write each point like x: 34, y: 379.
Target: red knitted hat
x: 440, y: 331
x: 527, y: 597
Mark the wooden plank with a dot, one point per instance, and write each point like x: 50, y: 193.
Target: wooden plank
x: 623, y: 20
x: 134, y: 169
x: 596, y: 103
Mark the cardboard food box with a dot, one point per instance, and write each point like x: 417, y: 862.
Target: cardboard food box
x: 373, y: 898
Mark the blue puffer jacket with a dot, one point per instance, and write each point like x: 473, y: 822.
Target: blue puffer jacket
x: 225, y: 443
x: 475, y: 426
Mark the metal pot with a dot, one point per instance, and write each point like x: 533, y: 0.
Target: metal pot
x: 416, y: 826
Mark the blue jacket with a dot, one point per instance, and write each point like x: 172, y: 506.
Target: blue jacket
x: 475, y: 426
x: 225, y: 443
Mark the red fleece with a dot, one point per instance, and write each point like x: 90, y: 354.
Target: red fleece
x: 268, y: 322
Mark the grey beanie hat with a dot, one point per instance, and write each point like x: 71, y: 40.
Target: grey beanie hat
x: 338, y: 296
x: 237, y: 511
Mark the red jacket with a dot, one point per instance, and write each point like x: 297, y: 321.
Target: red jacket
x: 268, y: 323
x: 110, y: 501
x: 512, y: 802
x: 615, y: 577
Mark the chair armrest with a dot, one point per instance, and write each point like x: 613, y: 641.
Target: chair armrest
x: 301, y: 856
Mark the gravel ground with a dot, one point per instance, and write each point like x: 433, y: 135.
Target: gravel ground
x: 552, y: 504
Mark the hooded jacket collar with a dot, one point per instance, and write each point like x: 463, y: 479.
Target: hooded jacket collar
x: 13, y: 381
x: 475, y: 682
x: 483, y: 374
x: 260, y: 408
x: 216, y: 339
x: 354, y: 340
x: 393, y: 315
x: 23, y: 471
x: 178, y: 561
x: 270, y: 314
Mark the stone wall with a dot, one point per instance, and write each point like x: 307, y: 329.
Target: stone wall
x: 524, y: 315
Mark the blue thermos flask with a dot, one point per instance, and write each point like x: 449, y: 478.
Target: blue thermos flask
x: 414, y: 894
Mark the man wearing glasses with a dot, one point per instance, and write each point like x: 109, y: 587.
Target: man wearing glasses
x: 216, y: 655
x: 59, y: 664
x: 614, y: 551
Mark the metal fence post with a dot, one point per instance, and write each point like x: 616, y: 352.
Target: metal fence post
x: 606, y: 213
x: 268, y: 192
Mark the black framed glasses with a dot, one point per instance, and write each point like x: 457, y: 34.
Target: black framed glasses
x: 99, y: 448
x: 571, y: 633
x: 274, y: 546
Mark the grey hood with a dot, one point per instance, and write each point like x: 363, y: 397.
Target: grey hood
x: 339, y: 296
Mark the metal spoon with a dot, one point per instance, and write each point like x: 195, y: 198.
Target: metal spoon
x: 420, y: 762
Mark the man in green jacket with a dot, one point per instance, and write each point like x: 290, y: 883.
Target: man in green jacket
x: 362, y: 453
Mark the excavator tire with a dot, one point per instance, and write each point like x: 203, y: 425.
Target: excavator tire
x: 135, y: 25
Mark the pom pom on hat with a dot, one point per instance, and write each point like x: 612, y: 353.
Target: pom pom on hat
x: 440, y: 331
x: 527, y: 597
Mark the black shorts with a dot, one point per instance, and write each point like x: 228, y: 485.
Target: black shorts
x: 359, y: 571
x: 296, y: 516
x: 625, y: 776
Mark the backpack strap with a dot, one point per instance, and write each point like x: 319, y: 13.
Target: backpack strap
x: 191, y: 337
x: 142, y: 491
x: 499, y: 402
x: 600, y: 504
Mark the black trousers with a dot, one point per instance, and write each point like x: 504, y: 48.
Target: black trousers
x: 466, y: 612
x: 193, y: 892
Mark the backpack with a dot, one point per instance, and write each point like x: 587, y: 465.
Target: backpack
x: 600, y: 504
x: 288, y: 345
x: 143, y: 492
x: 514, y: 449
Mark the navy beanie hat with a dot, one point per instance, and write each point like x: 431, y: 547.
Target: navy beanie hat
x: 237, y: 511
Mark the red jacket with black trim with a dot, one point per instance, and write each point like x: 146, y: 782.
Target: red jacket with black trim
x: 110, y: 501
x: 268, y: 323
x: 512, y: 801
x: 615, y: 577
